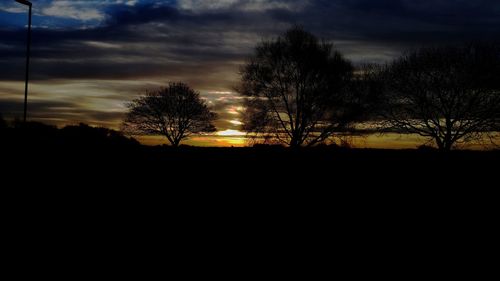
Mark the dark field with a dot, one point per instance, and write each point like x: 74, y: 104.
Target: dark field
x: 88, y: 153
x: 84, y: 179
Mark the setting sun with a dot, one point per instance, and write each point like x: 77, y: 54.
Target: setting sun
x: 236, y: 122
x: 231, y: 133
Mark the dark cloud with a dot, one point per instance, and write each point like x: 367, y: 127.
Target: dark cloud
x: 403, y: 24
x: 152, y: 39
x: 59, y: 113
x: 205, y: 46
x: 142, y: 13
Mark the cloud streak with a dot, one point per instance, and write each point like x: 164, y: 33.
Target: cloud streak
x: 203, y: 43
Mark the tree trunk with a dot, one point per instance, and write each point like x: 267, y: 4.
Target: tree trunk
x: 444, y: 145
x: 176, y: 143
x: 440, y: 144
x: 294, y: 143
x: 448, y: 145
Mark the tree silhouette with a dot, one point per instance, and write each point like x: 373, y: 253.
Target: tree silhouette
x: 367, y: 90
x: 448, y: 94
x: 87, y: 136
x: 175, y: 112
x: 295, y: 90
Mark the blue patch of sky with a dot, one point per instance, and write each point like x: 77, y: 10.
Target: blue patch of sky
x: 11, y: 13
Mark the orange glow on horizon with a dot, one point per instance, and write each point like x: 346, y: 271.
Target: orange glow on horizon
x: 234, y: 138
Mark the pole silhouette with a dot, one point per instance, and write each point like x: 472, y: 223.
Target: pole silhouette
x: 28, y: 49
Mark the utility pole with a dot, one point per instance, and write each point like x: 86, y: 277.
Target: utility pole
x: 28, y: 49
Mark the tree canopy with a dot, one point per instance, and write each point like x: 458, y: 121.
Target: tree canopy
x: 295, y: 89
x: 176, y: 112
x: 448, y: 94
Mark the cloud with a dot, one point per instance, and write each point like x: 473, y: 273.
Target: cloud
x: 14, y: 9
x: 204, y: 43
x: 98, y: 102
x: 197, y: 40
x: 80, y: 10
x: 243, y: 5
x: 102, y: 45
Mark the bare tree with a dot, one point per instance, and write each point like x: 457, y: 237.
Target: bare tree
x: 176, y: 112
x: 447, y: 94
x: 295, y: 89
x: 367, y: 91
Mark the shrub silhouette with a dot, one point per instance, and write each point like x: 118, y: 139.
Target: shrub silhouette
x: 85, y: 135
x: 39, y: 135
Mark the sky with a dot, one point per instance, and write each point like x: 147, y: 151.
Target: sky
x: 89, y: 58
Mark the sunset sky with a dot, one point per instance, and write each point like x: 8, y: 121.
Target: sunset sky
x: 91, y: 57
